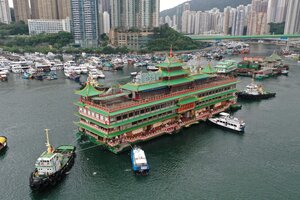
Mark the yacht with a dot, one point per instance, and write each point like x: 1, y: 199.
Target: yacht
x: 96, y: 73
x: 227, y: 121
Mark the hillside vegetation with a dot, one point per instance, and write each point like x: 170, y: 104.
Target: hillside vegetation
x: 204, y: 5
x: 165, y: 37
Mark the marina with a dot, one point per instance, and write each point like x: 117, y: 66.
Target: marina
x: 195, y: 163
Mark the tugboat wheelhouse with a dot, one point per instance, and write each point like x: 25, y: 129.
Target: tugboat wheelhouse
x: 153, y: 104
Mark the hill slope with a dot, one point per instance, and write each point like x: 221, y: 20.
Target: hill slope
x: 204, y: 5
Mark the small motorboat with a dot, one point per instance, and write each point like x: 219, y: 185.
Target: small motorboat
x: 3, y: 143
x: 152, y: 68
x: 139, y: 162
x: 74, y: 76
x: 133, y: 73
x: 227, y: 121
x: 3, y: 76
x: 285, y: 72
x: 52, y: 166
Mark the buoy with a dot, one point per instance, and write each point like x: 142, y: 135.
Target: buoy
x: 94, y: 173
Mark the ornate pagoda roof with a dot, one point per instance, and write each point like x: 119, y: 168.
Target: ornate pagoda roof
x: 209, y: 70
x: 88, y: 91
x: 273, y: 58
x: 170, y: 62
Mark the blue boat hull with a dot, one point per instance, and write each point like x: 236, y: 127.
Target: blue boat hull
x: 139, y: 170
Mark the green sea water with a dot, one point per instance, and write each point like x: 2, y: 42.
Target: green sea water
x: 201, y: 162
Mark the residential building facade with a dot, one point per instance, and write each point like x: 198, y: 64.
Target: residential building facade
x: 37, y: 26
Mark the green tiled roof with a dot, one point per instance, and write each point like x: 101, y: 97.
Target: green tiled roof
x: 178, y: 81
x: 199, y: 76
x: 159, y: 84
x: 187, y: 100
x: 274, y: 57
x: 80, y: 104
x: 170, y: 62
x: 88, y: 91
x: 173, y: 73
x: 141, y: 87
x: 209, y: 70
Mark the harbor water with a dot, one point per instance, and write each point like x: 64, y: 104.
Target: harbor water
x: 200, y: 162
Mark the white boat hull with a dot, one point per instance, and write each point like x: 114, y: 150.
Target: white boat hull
x: 227, y: 125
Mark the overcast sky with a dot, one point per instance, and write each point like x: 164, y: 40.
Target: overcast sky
x: 164, y: 4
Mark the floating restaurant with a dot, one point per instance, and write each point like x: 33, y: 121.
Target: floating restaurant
x: 153, y: 104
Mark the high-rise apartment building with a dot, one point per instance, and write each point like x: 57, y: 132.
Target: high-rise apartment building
x: 104, y: 5
x: 238, y: 21
x: 115, y: 13
x: 140, y: 14
x: 257, y: 24
x: 50, y: 9
x: 47, y: 9
x: 226, y: 20
x: 5, y: 15
x: 179, y: 13
x: 277, y: 11
x: 106, y: 22
x: 34, y: 9
x: 63, y: 9
x: 292, y: 23
x: 22, y: 10
x: 85, y: 22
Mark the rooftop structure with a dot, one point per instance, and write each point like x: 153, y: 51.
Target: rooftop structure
x: 153, y: 104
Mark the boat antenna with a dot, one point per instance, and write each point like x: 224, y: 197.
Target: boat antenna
x: 48, y: 145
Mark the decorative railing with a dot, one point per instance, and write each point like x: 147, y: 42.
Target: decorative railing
x: 154, y: 98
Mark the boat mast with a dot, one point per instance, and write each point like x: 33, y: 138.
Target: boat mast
x: 48, y: 145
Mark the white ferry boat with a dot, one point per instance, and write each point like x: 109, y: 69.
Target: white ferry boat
x: 227, y: 121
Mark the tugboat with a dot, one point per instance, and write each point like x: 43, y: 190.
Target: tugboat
x: 255, y: 92
x: 139, y: 161
x: 3, y: 143
x: 227, y: 121
x: 52, y: 165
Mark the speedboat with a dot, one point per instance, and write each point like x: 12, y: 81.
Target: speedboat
x: 133, y: 73
x: 227, y: 121
x: 139, y: 162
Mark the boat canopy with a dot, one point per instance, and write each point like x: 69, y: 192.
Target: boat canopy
x: 2, y: 140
